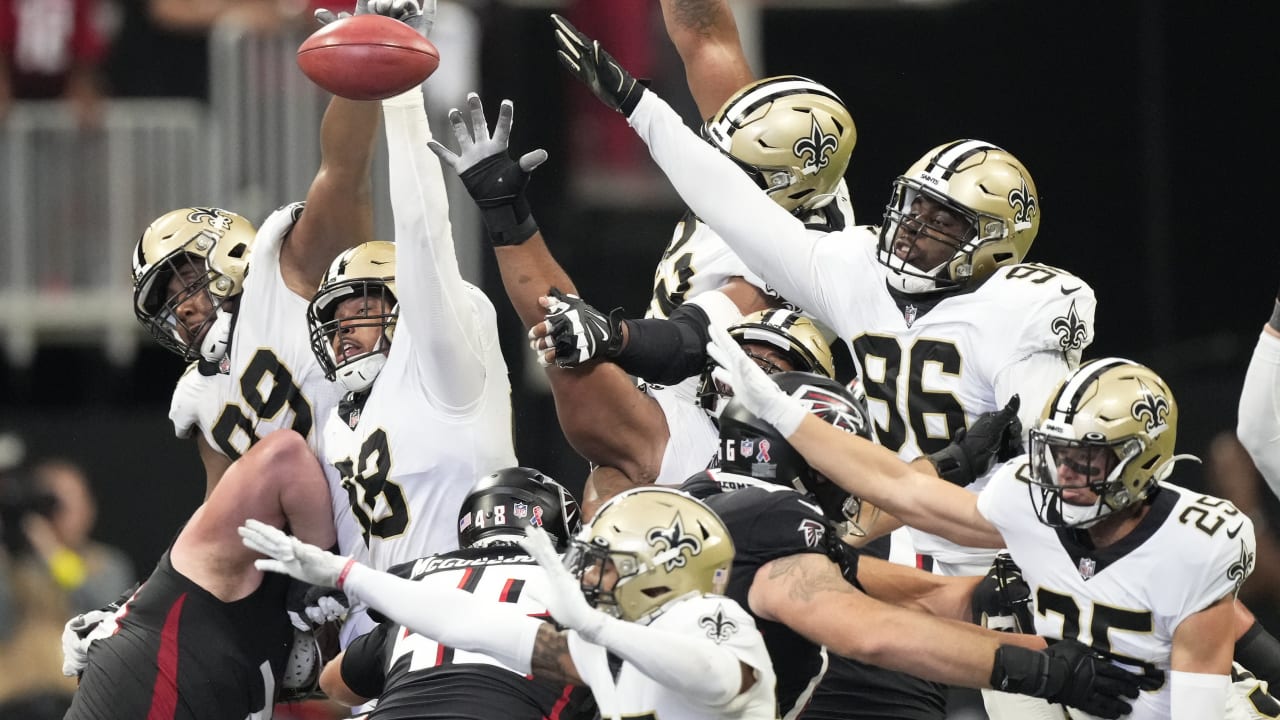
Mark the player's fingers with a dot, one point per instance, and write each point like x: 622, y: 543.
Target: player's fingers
x: 502, y: 128
x: 270, y: 565
x: 479, y: 127
x: 532, y: 159
x: 447, y: 156
x: 540, y: 330
x: 460, y: 129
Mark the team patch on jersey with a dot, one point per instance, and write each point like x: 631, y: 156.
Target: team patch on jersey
x: 909, y: 313
x: 1087, y: 567
x: 813, y: 532
x: 1070, y: 329
x: 1242, y: 567
x: 719, y: 627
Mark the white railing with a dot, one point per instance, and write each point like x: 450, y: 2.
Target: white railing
x: 73, y: 203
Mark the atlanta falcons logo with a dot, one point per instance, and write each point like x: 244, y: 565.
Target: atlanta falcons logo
x: 719, y: 627
x: 835, y: 410
x: 1151, y: 409
x: 672, y: 540
x: 816, y: 150
x: 1023, y: 203
x: 813, y: 532
x: 215, y: 217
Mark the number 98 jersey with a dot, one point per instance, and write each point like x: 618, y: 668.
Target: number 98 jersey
x: 1189, y: 551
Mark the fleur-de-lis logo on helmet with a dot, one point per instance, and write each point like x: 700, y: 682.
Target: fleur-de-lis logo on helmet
x: 815, y: 150
x: 719, y: 627
x: 1070, y: 329
x: 1150, y: 409
x: 1023, y: 203
x: 213, y: 216
x: 671, y: 542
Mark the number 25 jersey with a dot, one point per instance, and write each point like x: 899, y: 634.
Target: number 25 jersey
x: 1128, y: 598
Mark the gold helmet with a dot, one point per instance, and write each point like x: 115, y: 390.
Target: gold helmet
x: 991, y: 192
x: 1112, y: 424
x: 791, y: 135
x: 208, y: 250
x: 793, y: 335
x: 663, y: 544
x: 367, y: 270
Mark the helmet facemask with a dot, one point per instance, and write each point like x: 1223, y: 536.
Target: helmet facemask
x: 784, y: 334
x: 900, y: 223
x: 1102, y: 466
x: 160, y: 312
x: 379, y: 309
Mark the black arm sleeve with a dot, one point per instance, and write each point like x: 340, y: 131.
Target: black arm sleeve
x: 667, y: 351
x: 1259, y: 652
x: 364, y: 663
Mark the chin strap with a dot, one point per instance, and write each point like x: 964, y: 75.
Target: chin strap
x: 216, y: 340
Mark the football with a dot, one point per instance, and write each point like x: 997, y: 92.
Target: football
x: 367, y: 57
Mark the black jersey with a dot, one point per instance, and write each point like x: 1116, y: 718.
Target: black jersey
x: 416, y: 678
x: 179, y: 653
x: 768, y: 522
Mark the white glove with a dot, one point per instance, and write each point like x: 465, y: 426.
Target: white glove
x: 290, y: 556
x: 564, y: 592
x: 417, y: 14
x: 751, y: 386
x: 76, y: 637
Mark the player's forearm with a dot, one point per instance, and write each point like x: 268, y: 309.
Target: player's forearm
x: 528, y: 271
x: 1259, y: 423
x: 770, y: 241
x: 693, y: 666
x: 449, y: 616
x: 433, y: 298
x: 706, y: 37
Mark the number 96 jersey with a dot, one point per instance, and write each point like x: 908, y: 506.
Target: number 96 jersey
x: 1127, y: 599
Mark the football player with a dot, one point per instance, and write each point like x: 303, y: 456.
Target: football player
x: 207, y: 635
x: 943, y: 323
x: 1116, y: 556
x: 811, y: 593
x: 647, y: 584
x: 412, y: 674
x: 1259, y: 424
x: 635, y: 437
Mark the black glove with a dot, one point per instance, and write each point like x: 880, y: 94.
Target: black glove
x: 491, y: 177
x: 310, y: 606
x: 581, y: 333
x: 994, y: 436
x: 1067, y: 672
x: 592, y: 65
x: 1002, y: 599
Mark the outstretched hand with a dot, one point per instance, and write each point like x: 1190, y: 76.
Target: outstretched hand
x: 324, y: 17
x: 596, y: 68
x: 751, y: 386
x: 290, y: 556
x: 563, y: 597
x: 491, y: 177
x: 417, y: 14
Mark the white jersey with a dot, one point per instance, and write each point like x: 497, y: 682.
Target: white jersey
x: 1128, y: 599
x: 272, y: 379
x: 692, y: 438
x: 438, y: 416
x: 697, y: 260
x: 634, y: 695
x: 927, y: 370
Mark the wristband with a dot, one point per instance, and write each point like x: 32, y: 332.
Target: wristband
x: 346, y: 569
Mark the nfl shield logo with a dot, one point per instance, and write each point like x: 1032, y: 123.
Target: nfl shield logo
x: 1087, y: 567
x: 520, y: 510
x: 909, y: 314
x: 747, y: 447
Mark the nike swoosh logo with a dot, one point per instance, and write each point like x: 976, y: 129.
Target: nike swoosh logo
x: 1065, y: 291
x: 1233, y: 533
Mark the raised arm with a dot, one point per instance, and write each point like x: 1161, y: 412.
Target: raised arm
x: 603, y: 415
x: 706, y: 36
x: 1259, y: 423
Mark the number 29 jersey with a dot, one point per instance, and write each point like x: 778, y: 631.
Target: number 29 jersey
x: 272, y: 379
x: 1189, y: 551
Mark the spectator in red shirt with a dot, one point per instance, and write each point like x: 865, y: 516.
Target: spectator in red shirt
x: 52, y: 49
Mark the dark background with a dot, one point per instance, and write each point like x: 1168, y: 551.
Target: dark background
x: 1147, y: 127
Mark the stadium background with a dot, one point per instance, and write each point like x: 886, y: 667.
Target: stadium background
x: 1146, y: 124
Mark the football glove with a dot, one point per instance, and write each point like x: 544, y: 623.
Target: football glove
x: 310, y: 606
x: 577, y: 332
x: 596, y: 68
x: 290, y: 556
x: 491, y: 177
x: 751, y: 386
x: 76, y: 638
x: 1002, y: 599
x: 1067, y: 672
x: 324, y: 17
x: 564, y: 598
x: 994, y: 436
x: 417, y: 14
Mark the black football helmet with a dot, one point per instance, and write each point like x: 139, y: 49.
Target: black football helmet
x: 505, y: 503
x: 752, y: 447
